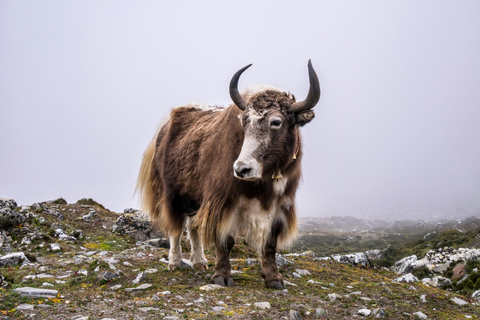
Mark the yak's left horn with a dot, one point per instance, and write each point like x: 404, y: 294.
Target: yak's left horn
x: 313, y: 93
x: 234, y: 94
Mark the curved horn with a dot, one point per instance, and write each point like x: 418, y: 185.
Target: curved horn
x: 234, y: 94
x: 313, y: 93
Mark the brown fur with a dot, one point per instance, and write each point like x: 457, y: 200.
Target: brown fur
x: 187, y: 169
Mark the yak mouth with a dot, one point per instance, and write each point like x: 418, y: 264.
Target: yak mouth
x: 246, y: 178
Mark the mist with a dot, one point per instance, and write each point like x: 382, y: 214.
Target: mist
x: 84, y: 85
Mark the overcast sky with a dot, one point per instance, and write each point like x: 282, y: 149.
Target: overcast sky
x: 84, y: 84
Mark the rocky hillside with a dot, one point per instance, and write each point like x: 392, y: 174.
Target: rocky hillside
x: 81, y: 261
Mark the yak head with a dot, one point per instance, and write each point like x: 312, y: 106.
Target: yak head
x: 270, y: 119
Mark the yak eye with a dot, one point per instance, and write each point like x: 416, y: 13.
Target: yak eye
x: 275, y: 123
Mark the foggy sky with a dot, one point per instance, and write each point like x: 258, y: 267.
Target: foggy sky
x: 84, y: 84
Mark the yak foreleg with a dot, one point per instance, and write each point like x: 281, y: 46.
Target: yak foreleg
x: 273, y: 279
x: 223, y: 269
x: 197, y: 256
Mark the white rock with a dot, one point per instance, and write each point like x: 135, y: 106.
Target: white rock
x: 140, y: 287
x: 262, y: 305
x: 420, y: 315
x: 423, y: 298
x: 407, y: 278
x: 34, y: 292
x: 115, y: 287
x: 303, y: 272
x: 364, y: 312
x: 55, y: 247
x: 25, y: 306
x: 209, y: 287
x: 459, y: 301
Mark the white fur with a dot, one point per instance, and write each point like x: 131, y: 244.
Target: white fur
x: 280, y: 185
x: 253, y: 90
x: 197, y: 255
x: 251, y: 220
x: 175, y: 252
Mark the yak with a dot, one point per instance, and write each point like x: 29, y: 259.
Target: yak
x: 227, y: 172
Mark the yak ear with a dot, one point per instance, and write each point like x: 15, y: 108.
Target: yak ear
x: 304, y: 117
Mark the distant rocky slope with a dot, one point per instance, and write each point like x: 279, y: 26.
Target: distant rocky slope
x: 81, y: 261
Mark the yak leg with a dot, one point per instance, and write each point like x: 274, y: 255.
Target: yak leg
x: 223, y: 269
x: 197, y: 256
x: 175, y: 253
x: 273, y: 278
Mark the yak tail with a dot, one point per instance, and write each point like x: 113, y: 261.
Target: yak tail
x: 150, y: 187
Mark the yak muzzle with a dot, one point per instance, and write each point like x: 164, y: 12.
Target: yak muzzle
x: 247, y: 170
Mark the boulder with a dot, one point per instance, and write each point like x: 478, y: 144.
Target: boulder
x: 8, y: 203
x: 10, y: 218
x: 356, y: 259
x: 404, y: 265
x: 13, y: 258
x: 136, y: 226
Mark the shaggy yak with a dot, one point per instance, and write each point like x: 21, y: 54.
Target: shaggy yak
x: 225, y: 172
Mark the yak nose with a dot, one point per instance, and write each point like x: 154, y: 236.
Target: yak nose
x: 246, y: 170
x: 242, y: 170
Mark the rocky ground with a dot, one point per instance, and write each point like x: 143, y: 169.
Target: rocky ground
x: 81, y: 261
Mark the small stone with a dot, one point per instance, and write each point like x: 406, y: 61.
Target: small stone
x: 13, y: 258
x: 406, y: 278
x: 25, y: 307
x: 210, y: 287
x: 140, y: 287
x: 303, y: 272
x: 379, y: 312
x: 459, y: 301
x: 321, y: 313
x: 295, y: 315
x: 332, y: 296
x: 200, y: 300
x: 420, y: 315
x: 34, y: 292
x: 422, y: 298
x: 140, y: 277
x: 262, y: 305
x: 296, y: 275
x: 364, y: 312
x: 218, y: 309
x: 115, y: 287
x: 109, y: 276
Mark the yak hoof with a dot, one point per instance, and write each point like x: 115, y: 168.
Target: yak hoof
x: 200, y: 267
x: 223, y: 282
x: 275, y: 284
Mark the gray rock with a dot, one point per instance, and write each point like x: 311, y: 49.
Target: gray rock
x: 320, y: 313
x: 404, y: 265
x: 379, y: 312
x: 10, y: 218
x: 25, y: 307
x: 262, y: 305
x: 136, y: 226
x: 355, y: 259
x: 420, y: 315
x: 140, y: 277
x: 109, y: 275
x: 407, y: 278
x: 14, y: 258
x: 374, y: 254
x: 218, y: 308
x: 8, y: 203
x: 34, y: 292
x: 441, y: 268
x: 62, y: 235
x: 281, y: 260
x: 295, y: 315
x: 54, y: 212
x: 140, y: 287
x: 303, y: 272
x: 89, y: 216
x: 159, y: 243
